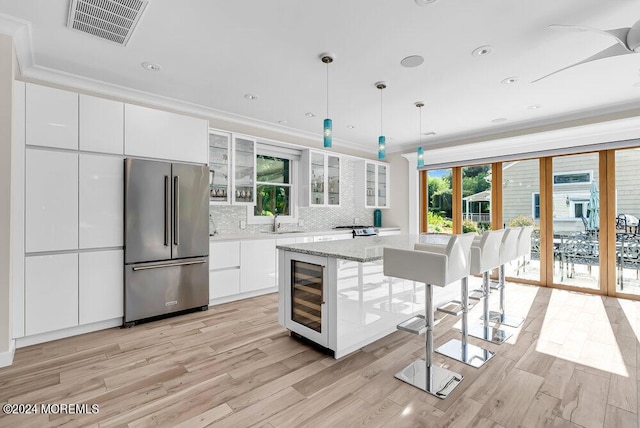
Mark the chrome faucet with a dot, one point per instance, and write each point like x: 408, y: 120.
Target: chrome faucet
x: 276, y: 225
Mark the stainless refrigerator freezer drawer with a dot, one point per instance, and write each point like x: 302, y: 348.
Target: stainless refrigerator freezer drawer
x: 160, y: 288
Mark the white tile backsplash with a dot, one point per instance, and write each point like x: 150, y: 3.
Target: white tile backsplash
x: 226, y: 219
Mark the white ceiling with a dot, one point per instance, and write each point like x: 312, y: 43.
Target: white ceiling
x: 213, y: 52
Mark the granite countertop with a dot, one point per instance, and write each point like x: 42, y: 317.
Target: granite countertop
x: 286, y: 234
x: 364, y: 249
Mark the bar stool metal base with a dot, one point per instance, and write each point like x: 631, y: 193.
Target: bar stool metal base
x: 488, y: 333
x: 504, y: 319
x: 469, y: 354
x: 434, y: 380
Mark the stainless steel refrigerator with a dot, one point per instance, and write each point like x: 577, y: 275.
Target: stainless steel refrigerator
x: 166, y: 253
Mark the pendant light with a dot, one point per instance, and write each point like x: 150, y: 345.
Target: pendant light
x: 420, y: 104
x: 327, y: 130
x: 381, y: 138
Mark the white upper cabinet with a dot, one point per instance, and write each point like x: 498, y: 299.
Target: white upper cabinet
x: 52, y: 117
x: 163, y: 135
x: 101, y: 125
x: 320, y: 179
x: 101, y: 196
x: 220, y: 192
x: 244, y: 170
x: 373, y: 184
x: 51, y: 293
x: 101, y: 288
x: 51, y: 201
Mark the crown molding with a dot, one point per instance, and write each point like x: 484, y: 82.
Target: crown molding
x: 20, y: 30
x: 577, y: 138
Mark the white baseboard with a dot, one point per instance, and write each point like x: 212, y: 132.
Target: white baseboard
x: 67, y: 332
x: 6, y: 358
x: 242, y: 296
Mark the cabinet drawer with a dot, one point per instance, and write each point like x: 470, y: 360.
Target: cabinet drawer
x: 224, y: 255
x: 224, y: 283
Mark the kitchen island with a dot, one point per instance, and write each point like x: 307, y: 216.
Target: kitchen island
x: 336, y: 295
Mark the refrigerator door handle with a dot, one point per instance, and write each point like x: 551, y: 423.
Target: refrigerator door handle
x: 176, y: 210
x: 165, y: 265
x: 167, y: 210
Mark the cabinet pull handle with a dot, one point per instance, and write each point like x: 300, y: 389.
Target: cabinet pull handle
x: 176, y: 210
x: 167, y: 210
x: 165, y: 265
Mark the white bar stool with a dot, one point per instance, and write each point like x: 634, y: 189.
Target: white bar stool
x: 439, y: 265
x: 524, y: 244
x: 508, y: 253
x: 485, y: 255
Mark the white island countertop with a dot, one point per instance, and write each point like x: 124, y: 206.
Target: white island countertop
x: 363, y: 249
x: 287, y: 234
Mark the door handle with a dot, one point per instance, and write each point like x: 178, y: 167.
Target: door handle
x: 165, y: 265
x: 167, y: 210
x: 176, y: 210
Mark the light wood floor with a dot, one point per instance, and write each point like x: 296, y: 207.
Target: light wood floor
x: 573, y: 363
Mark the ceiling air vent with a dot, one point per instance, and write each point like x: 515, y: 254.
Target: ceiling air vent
x: 113, y: 20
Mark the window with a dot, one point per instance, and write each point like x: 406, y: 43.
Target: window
x: 275, y: 187
x: 572, y: 177
x: 536, y: 206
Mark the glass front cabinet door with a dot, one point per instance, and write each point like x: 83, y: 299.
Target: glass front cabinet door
x: 219, y: 168
x: 321, y: 179
x: 244, y: 170
x: 373, y: 180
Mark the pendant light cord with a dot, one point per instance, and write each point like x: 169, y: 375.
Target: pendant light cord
x: 420, y: 126
x: 327, y: 90
x: 381, y: 111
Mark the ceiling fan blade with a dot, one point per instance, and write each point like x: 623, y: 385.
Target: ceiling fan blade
x: 633, y: 37
x: 615, y: 50
x: 619, y: 35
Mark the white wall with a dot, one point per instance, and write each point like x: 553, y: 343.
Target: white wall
x: 398, y: 214
x: 6, y: 99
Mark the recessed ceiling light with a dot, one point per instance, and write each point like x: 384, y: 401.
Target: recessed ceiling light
x: 282, y: 122
x: 412, y: 61
x: 482, y: 50
x: 151, y: 66
x: 510, y: 80
x: 534, y: 107
x: 429, y: 134
x: 250, y: 97
x: 309, y: 114
x: 424, y: 2
x: 499, y: 120
x: 350, y: 126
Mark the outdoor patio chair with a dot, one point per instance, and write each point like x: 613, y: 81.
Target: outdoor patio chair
x: 628, y: 256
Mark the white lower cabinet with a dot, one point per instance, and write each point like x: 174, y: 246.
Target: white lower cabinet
x: 101, y: 288
x: 224, y: 283
x: 224, y: 269
x: 257, y: 265
x: 51, y: 293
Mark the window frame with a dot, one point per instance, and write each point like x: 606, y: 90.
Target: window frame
x: 294, y: 161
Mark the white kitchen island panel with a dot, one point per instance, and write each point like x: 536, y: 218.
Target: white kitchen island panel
x: 51, y: 293
x: 359, y: 303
